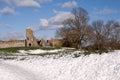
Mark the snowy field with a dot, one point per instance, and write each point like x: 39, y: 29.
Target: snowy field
x: 90, y: 67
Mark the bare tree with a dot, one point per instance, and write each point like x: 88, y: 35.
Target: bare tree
x: 76, y: 28
x: 106, y: 35
x: 99, y: 37
x: 76, y: 32
x: 112, y: 29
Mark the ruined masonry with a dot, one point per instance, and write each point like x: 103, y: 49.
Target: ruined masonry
x: 30, y: 41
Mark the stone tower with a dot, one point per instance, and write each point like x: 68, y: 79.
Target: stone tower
x: 30, y: 39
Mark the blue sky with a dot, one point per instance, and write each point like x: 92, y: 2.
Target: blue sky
x: 45, y: 16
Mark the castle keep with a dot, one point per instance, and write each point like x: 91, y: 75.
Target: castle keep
x: 30, y: 41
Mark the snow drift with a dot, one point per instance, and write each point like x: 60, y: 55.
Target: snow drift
x: 90, y: 67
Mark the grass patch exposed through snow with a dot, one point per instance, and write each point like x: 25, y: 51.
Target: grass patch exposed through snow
x: 15, y: 49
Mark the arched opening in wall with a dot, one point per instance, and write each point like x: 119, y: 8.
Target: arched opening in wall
x: 47, y: 41
x: 29, y: 44
x: 39, y: 42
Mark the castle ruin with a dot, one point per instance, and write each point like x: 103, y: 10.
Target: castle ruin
x: 30, y: 41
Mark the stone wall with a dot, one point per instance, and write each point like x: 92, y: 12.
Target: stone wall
x: 55, y: 42
x: 16, y: 43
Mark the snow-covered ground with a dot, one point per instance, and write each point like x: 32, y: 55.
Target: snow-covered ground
x: 39, y: 51
x: 90, y: 67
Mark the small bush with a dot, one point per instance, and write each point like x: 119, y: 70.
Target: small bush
x: 58, y: 45
x: 88, y: 52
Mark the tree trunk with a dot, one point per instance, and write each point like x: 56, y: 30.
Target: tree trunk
x: 78, y: 45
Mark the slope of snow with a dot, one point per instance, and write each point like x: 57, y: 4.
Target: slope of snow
x: 90, y: 67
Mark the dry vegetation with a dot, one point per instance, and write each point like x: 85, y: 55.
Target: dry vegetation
x: 99, y: 35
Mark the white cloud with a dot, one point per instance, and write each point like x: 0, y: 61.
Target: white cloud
x: 5, y: 1
x: 55, y: 21
x: 70, y: 4
x: 44, y: 22
x: 60, y: 17
x: 105, y: 11
x: 7, y: 10
x: 26, y: 3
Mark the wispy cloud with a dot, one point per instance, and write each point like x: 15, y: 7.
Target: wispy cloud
x: 7, y: 10
x: 5, y: 1
x: 118, y: 20
x: 12, y: 35
x: 44, y: 1
x: 26, y: 3
x: 6, y: 26
x: 9, y: 26
x: 69, y: 4
x: 104, y: 11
